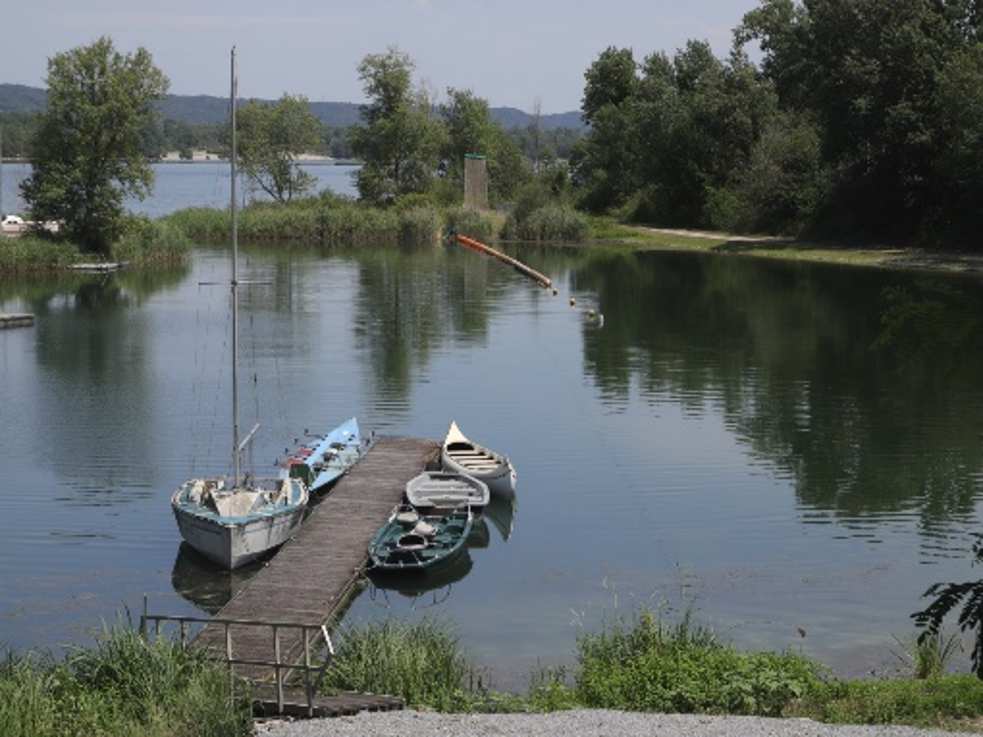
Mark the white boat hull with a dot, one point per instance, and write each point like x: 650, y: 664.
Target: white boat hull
x: 231, y: 541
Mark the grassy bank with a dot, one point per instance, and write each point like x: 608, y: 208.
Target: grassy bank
x: 121, y: 686
x: 647, y: 664
x: 607, y: 230
x: 125, y: 685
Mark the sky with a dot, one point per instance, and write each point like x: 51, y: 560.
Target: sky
x: 513, y: 53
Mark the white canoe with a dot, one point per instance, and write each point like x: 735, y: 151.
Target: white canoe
x: 465, y: 456
x: 447, y: 490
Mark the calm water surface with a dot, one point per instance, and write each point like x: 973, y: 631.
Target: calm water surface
x: 735, y: 437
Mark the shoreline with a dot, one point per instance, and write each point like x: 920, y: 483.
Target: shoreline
x: 789, y: 249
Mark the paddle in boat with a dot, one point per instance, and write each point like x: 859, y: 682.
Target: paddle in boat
x: 447, y: 490
x: 320, y: 463
x: 233, y: 521
x: 464, y: 456
x: 414, y: 542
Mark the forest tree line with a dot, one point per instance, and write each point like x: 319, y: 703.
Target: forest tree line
x: 856, y: 119
x: 862, y: 120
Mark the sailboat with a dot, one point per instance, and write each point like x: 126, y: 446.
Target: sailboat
x: 233, y: 521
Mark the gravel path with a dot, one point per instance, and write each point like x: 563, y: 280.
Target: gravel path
x: 580, y: 723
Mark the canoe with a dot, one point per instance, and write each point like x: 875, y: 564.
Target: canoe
x: 464, y: 456
x: 233, y: 525
x: 321, y: 462
x: 414, y: 542
x: 447, y: 490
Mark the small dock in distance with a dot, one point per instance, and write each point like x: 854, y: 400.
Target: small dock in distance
x: 311, y: 579
x: 16, y: 320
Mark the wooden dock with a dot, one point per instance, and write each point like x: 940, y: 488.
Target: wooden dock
x: 311, y: 579
x: 16, y: 319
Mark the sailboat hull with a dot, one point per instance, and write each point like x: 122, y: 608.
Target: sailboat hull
x: 232, y: 539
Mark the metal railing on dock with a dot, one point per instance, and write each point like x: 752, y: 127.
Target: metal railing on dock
x: 312, y: 674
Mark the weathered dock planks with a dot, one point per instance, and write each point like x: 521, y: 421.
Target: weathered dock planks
x: 309, y: 581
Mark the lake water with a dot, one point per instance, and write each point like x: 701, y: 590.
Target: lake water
x: 733, y: 438
x: 184, y: 184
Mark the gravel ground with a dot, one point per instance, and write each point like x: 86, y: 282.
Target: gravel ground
x: 581, y: 723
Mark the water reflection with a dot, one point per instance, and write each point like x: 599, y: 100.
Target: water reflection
x: 804, y: 372
x: 205, y: 585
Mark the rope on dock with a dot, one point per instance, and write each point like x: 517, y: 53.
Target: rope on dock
x: 514, y: 263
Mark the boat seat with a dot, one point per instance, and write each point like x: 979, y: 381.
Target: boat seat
x: 424, y: 529
x: 407, y: 517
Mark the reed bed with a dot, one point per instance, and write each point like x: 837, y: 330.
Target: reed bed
x: 550, y: 223
x: 330, y: 220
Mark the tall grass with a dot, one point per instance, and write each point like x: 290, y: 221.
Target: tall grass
x: 124, y: 685
x: 554, y: 223
x: 472, y: 223
x: 322, y: 220
x: 422, y: 662
x: 28, y: 253
x: 146, y: 242
x: 651, y: 665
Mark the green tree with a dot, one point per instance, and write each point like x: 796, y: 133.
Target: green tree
x: 873, y: 75
x: 469, y: 129
x: 270, y: 137
x: 86, y: 153
x: 604, y: 162
x: 400, y: 142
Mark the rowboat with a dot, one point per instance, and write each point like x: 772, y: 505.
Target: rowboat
x: 447, y: 490
x: 320, y: 463
x: 464, y: 456
x: 235, y: 520
x: 414, y: 542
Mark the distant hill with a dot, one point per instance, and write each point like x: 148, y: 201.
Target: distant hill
x: 15, y: 98
x: 198, y: 109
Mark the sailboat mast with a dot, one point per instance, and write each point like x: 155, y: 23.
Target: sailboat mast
x: 234, y: 283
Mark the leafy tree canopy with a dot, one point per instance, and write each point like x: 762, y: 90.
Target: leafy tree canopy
x: 86, y: 152
x: 270, y: 137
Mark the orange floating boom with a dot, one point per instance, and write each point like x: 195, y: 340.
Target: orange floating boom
x: 514, y: 263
